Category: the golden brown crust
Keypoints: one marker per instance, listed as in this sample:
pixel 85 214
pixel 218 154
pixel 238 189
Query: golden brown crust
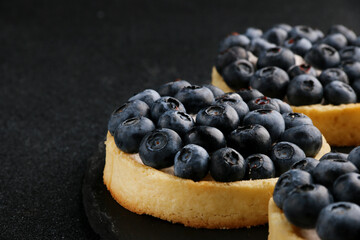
pixel 339 124
pixel 205 204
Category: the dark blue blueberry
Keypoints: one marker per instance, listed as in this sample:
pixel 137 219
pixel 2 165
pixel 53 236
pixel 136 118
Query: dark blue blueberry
pixel 250 139
pixel 238 74
pixel 259 45
pixel 305 32
pixel 304 89
pixel 283 106
pixel 304 204
pixel 307 164
pixel 259 166
pixel 354 157
pixel 287 182
pixel 163 105
pixel 217 92
pixel 249 93
pixel 336 40
pixel 270 81
pixel 209 138
pixel 128 110
pixel 277 56
pixel 253 33
pixel 191 162
pixel 347 188
pixel 180 122
pixel 195 98
pixel 234 39
pixel 149 96
pixel 296 119
pixel 350 53
pixel 333 74
pixel 158 148
pixel 222 117
pixel 284 155
pixel 230 95
pixel 334 155
pixel 352 70
pixel 284 26
pixel 275 35
pixel 270 119
pixel 227 165
pixel 337 93
pixel 129 133
pixel 339 221
pixel 298 45
pixel 327 171
pixel 229 56
pixel 356 86
pixel 322 56
pixel 263 103
pixel 301 69
pixel 357 42
pixel 348 33
pixel 171 88
pixel 239 105
pixel 307 137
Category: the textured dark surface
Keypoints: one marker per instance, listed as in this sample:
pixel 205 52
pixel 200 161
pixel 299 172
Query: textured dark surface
pixel 65 65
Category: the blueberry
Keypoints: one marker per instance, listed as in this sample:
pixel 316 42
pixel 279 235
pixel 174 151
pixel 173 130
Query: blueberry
pixel 307 137
pixel 239 105
pixel 356 86
pixel 336 40
pixel 180 122
pixel 270 119
pixel 283 106
pixel 296 119
pixel 195 98
pixel 284 26
pixel 250 139
pixel 249 93
pixel 339 221
pixel 259 45
pixel 217 92
pixel 347 188
pixel 128 110
pixel 287 182
pixel 129 133
pixel 322 56
pixel 301 69
pixel 298 45
pixel 337 93
pixel 348 33
pixel 334 155
pixel 229 56
pixel 284 155
pixel 158 148
pixel 277 56
pixel 307 164
pixel 333 74
pixel 304 204
pixel 163 105
pixel 149 96
pixel 259 166
pixel 327 171
pixel 171 88
pixel 304 32
pixel 304 90
pixel 263 103
pixel 234 39
pixel 271 81
pixel 227 165
pixel 223 117
pixel 350 53
pixel 275 35
pixel 352 70
pixel 252 33
pixel 354 157
pixel 238 74
pixel 230 95
pixel 207 137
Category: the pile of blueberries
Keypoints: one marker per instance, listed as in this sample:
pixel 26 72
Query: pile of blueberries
pixel 324 195
pixel 330 73
pixel 201 129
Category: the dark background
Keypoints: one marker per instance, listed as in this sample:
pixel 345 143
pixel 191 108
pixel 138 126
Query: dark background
pixel 65 65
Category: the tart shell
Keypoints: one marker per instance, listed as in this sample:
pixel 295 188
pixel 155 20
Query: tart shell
pixel 204 204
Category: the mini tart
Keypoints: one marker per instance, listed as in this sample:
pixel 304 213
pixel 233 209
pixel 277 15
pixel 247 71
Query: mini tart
pixel 204 204
pixel 339 124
